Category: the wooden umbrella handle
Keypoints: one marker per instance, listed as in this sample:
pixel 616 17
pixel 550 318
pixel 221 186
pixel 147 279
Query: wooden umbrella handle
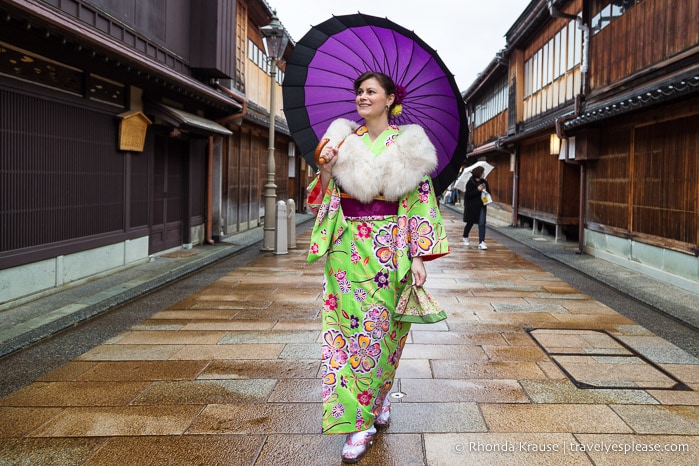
pixel 321 145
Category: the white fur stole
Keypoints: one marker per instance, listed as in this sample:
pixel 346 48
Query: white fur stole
pixel 392 174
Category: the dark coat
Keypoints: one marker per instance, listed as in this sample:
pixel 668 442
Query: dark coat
pixel 472 200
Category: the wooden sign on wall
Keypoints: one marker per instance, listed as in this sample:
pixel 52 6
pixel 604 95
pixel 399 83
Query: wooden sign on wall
pixel 132 130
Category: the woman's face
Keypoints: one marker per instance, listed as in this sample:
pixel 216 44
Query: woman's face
pixel 371 99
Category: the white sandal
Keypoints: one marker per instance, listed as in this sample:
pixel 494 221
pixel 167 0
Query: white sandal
pixel 357 445
pixel 383 419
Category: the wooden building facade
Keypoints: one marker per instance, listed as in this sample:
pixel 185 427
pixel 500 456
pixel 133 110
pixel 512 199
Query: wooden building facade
pixel 603 127
pixel 127 129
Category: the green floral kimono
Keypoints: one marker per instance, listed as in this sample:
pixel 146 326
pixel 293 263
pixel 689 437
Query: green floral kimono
pixel 368 264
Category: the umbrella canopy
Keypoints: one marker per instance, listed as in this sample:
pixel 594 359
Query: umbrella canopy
pixel 320 74
pixel 461 181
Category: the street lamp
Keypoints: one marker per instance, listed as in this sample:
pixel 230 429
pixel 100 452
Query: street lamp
pixel 275 43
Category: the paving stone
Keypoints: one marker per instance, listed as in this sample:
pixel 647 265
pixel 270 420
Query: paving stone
pixel 458 338
pixel 688 373
pixel 632 450
pixel 47 451
pixel 515 353
pixel 500 449
pixel 199 314
pixel 119 421
pixel 68 371
pixel 468 353
pixel 184 450
pixel 414 369
pixel 660 419
pixel 206 392
pixel 559 391
pixel 130 353
pixel 273 336
pixel 297 391
pixel 142 370
pixel 571 418
pixel 230 325
pixel 231 305
pixel 435 417
pixel 244 351
pixel 282 312
pixel 261 369
pixel 169 337
pixel 522 370
pixel 301 351
pixel 459 390
pixel 388 450
pixel 17 422
pixel 258 418
pixel 676 397
pixel 75 394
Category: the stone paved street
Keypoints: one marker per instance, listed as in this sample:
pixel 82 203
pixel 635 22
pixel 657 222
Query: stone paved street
pixel 230 376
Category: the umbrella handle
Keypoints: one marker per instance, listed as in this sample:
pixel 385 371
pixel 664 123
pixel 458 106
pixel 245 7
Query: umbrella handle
pixel 321 145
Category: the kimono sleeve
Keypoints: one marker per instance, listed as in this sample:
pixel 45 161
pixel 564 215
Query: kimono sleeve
pixel 427 235
pixel 329 224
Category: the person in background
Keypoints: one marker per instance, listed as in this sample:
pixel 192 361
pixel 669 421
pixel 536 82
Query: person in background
pixel 377 220
pixel 474 209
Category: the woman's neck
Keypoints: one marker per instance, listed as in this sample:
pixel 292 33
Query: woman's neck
pixel 376 126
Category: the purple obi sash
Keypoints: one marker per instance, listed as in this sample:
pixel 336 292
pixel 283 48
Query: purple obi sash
pixel 353 208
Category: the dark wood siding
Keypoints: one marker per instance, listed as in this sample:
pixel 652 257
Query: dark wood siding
pixel 646 182
pixel 549 189
pixel 649 33
pixel 61 175
pixel 500 179
pixel 490 130
pixel 665 180
pixel 608 181
pixel 213 44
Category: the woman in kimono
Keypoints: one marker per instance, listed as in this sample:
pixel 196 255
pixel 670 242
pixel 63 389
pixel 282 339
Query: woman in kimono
pixel 378 221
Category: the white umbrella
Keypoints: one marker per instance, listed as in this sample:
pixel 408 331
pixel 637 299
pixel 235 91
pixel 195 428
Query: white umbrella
pixel 461 181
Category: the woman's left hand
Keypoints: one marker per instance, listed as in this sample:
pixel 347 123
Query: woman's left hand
pixel 419 272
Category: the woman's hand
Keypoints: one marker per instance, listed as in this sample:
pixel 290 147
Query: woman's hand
pixel 419 272
pixel 329 154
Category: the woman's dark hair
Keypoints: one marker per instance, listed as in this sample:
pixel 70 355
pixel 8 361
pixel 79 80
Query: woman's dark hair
pixel 477 172
pixel 384 80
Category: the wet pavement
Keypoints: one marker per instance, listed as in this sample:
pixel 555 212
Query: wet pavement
pixel 528 369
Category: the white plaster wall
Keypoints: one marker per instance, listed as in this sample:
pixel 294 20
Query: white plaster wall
pixel 673 267
pixel 27 282
pixel 27 279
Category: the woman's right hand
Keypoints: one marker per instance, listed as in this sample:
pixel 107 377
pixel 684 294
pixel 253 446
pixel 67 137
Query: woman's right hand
pixel 329 154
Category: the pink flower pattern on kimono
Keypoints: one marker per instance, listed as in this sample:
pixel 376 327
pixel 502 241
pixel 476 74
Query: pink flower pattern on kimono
pixel 331 302
pixel 364 231
pixel 388 241
pixel 329 381
pixel 421 236
pixel 360 420
pixel 334 350
pixel 394 358
pixel 363 352
pixel 354 257
pixel 365 397
pixel 338 411
pixel 360 294
pixel 377 321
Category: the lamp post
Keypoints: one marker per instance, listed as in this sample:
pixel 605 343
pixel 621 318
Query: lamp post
pixel 275 42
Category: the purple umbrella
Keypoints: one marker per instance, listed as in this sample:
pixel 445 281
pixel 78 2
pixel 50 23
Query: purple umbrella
pixel 319 78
